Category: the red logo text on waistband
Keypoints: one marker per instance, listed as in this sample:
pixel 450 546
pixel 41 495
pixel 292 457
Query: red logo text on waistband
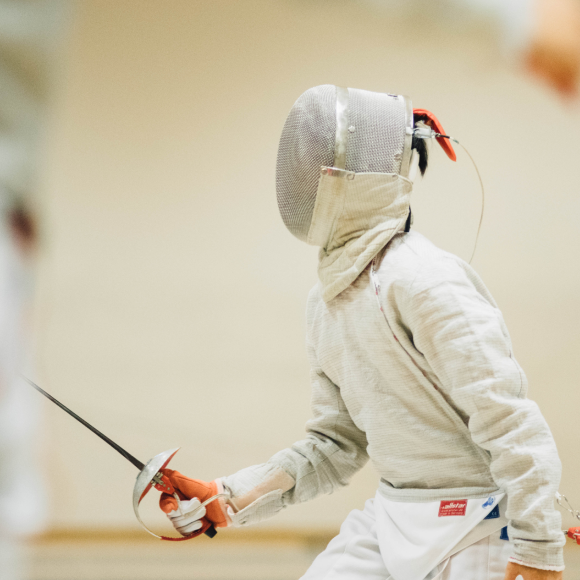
pixel 454 507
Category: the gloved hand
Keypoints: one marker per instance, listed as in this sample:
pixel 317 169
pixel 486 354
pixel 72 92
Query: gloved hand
pixel 186 516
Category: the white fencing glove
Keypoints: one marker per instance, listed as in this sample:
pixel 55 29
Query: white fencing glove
pixel 186 519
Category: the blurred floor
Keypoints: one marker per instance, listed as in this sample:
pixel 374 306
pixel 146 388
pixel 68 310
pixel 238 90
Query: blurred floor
pixel 283 557
pixel 144 559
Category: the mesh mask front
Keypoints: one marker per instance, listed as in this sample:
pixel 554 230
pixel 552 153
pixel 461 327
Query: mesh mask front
pixel 376 143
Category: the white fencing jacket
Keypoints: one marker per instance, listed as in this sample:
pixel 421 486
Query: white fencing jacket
pixel 412 367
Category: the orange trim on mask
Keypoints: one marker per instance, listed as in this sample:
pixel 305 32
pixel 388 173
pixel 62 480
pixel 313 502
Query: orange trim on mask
pixel 434 123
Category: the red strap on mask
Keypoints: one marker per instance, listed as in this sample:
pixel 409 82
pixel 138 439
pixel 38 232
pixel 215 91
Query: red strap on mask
pixel 434 123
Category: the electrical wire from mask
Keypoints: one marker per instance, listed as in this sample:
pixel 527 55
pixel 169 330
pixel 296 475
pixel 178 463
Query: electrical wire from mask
pixel 434 135
pixel 482 193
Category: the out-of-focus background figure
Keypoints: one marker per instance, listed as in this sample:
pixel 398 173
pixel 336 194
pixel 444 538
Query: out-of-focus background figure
pixel 27 43
pixel 541 37
pixel 553 53
pixel 163 270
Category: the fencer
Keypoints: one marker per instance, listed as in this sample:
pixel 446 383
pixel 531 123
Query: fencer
pixel 412 367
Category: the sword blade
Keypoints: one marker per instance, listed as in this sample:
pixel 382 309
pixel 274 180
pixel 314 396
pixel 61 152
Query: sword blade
pixel 138 464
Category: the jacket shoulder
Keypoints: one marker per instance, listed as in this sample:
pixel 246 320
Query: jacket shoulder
pixel 411 264
pixel 411 257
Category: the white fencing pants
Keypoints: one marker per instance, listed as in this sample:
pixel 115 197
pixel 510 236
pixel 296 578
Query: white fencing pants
pixel 354 555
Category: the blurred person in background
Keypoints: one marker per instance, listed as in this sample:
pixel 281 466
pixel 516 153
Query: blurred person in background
pixel 553 54
pixel 27 35
pixel 545 37
pixel 541 37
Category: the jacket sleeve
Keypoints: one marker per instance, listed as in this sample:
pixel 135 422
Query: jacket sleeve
pixel 458 329
pixel 333 450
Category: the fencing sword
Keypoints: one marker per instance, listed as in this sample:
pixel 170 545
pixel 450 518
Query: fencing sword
pixel 150 474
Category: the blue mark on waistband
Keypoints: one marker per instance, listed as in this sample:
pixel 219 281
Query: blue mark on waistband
pixel 504 534
pixel 489 501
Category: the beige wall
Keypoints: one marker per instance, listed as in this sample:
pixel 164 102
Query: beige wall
pixel 172 298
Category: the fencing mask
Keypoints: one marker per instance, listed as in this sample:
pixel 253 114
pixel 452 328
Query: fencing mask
pixel 348 129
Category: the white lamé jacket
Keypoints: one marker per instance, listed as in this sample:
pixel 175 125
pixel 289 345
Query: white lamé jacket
pixel 412 367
